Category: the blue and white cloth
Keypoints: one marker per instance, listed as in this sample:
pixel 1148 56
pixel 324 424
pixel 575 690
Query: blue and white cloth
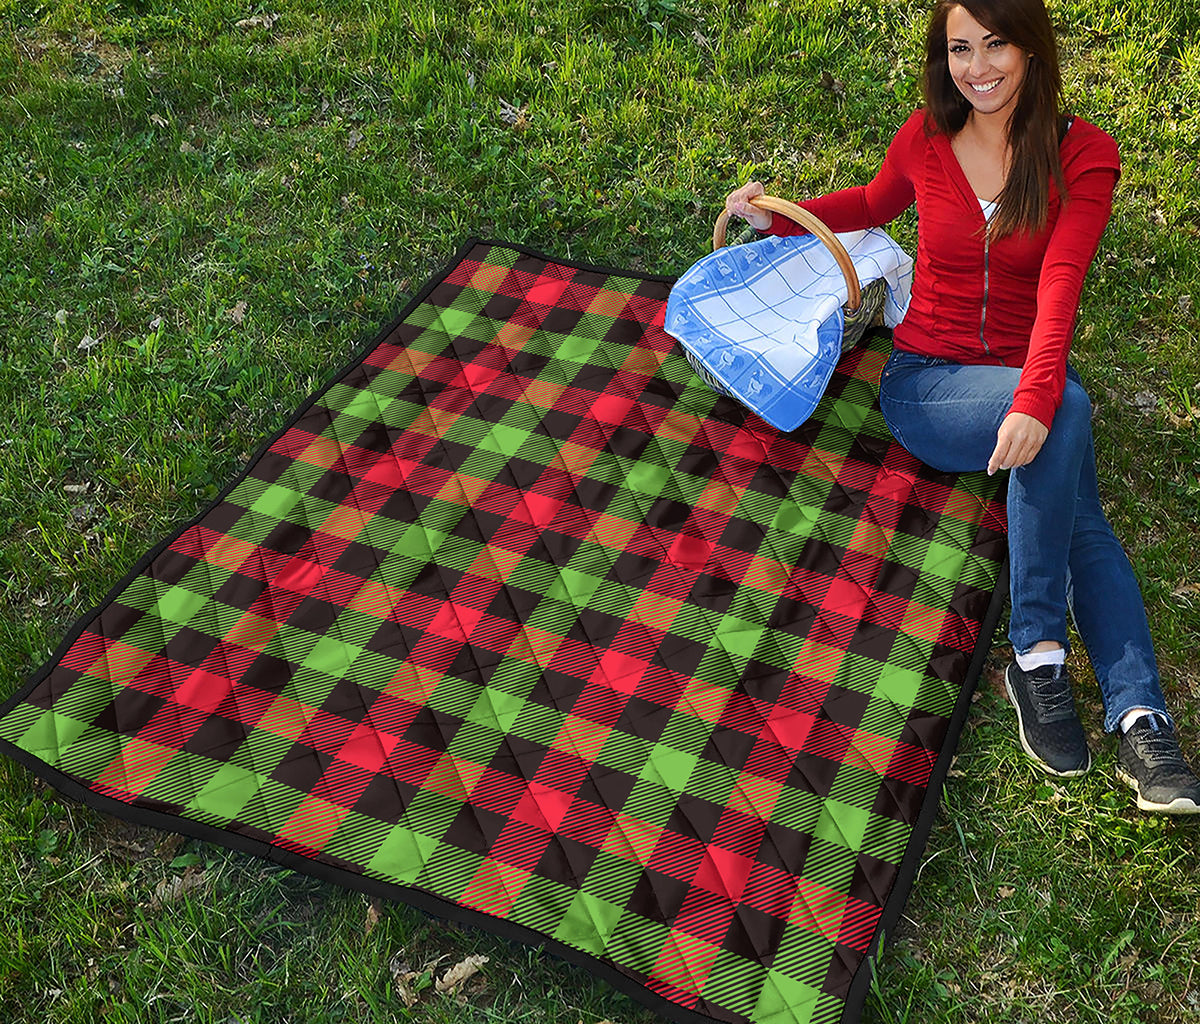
pixel 765 319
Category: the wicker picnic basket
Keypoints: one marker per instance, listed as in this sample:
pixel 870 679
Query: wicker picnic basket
pixel 863 304
pixel 766 325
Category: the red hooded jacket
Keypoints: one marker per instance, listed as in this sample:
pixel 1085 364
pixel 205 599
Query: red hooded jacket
pixel 1010 301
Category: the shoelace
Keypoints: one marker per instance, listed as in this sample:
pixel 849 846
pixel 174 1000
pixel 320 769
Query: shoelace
pixel 1053 695
pixel 1158 748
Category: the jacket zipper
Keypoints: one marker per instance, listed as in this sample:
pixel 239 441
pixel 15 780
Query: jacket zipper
pixel 983 309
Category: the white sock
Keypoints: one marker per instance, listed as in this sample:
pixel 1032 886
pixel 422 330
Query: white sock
pixel 1036 659
pixel 1130 717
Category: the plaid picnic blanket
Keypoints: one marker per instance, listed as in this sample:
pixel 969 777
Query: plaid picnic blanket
pixel 518 621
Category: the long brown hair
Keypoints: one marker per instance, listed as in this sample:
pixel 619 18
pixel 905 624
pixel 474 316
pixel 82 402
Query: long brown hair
pixel 1037 123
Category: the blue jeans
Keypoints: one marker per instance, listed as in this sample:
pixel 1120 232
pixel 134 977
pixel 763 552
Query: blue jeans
pixel 1062 551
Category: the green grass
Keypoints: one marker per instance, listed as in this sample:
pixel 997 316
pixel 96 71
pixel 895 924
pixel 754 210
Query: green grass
pixel 160 167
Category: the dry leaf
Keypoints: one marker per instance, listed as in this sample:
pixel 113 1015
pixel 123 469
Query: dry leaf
pixel 374 911
pixel 158 120
pixel 354 139
pixel 169 846
pixel 87 341
pixel 170 889
pixel 257 21
pixel 832 84
pixel 75 488
pixel 1005 891
pixel 60 317
pixel 405 990
pixel 404 978
pixel 186 147
pixel 514 116
pixel 238 313
pixel 460 972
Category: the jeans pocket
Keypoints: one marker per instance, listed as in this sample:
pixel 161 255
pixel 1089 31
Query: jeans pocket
pixel 889 366
pixel 900 362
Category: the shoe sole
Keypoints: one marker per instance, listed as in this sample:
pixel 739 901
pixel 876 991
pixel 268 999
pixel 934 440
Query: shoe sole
pixel 1072 773
pixel 1180 805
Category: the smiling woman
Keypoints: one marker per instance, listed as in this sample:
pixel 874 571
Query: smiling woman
pixel 997 90
pixel 979 60
pixel 1012 198
pixel 989 71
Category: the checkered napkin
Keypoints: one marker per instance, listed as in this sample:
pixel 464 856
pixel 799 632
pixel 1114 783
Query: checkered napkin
pixel 519 622
pixel 765 319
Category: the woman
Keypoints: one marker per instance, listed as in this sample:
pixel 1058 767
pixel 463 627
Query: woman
pixel 1012 198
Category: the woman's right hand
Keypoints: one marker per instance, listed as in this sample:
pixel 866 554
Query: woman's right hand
pixel 737 204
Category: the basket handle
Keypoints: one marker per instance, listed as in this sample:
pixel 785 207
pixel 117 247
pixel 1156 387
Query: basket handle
pixel 807 220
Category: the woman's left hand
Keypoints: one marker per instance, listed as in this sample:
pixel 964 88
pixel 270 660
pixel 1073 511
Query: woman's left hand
pixel 1018 441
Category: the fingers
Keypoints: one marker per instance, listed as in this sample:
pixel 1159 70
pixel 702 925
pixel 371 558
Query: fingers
pixel 999 457
pixel 737 204
pixel 1018 455
pixel 1018 441
pixel 1009 454
pixel 747 191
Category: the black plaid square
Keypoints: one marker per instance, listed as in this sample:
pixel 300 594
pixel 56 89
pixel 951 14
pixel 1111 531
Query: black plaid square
pixel 301 767
pixel 643 719
pixel 566 861
pixel 433 729
pixel 518 757
pixel 217 738
pixel 128 712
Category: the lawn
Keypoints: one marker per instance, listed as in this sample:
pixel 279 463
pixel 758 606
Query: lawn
pixel 205 207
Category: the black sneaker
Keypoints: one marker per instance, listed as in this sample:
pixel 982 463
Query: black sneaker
pixel 1051 732
pixel 1149 760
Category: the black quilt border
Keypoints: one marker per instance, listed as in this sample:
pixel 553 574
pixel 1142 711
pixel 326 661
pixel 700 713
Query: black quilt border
pixel 435 905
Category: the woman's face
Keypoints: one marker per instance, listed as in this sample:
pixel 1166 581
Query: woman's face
pixel 987 69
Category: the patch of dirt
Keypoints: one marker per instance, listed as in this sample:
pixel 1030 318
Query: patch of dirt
pixel 122 840
pixel 85 55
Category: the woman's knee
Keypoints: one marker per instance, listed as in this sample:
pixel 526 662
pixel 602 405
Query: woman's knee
pixel 1076 401
pixel 1073 420
pixel 1070 434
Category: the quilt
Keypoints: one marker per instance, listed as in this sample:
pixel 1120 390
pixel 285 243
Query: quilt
pixel 519 622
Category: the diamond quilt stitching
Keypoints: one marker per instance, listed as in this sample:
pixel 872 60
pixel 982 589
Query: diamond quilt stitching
pixel 520 614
